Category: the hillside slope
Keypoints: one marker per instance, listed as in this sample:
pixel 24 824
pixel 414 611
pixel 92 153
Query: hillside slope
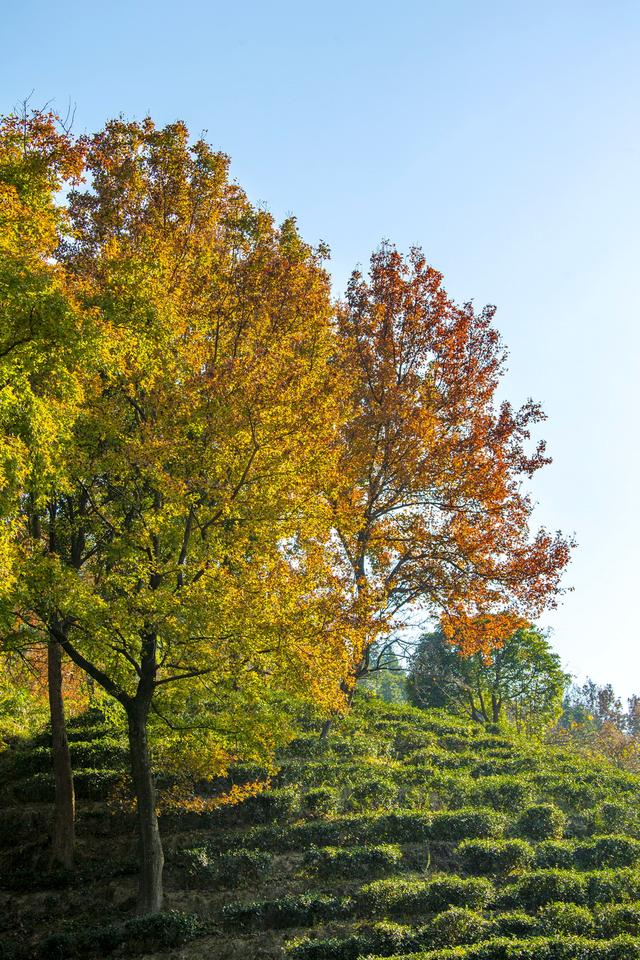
pixel 407 833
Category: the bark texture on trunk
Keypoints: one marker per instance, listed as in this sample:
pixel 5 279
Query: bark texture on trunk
pixel 150 894
pixel 65 807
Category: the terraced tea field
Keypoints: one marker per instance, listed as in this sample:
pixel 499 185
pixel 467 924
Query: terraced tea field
pixel 405 834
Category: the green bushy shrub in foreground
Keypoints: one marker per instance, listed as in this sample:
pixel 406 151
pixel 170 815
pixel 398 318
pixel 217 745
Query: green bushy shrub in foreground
pixel 565 918
pixel 503 792
pixel 384 937
pixel 456 925
pixel 607 851
pixel 288 911
pixel 543 821
pixel 447 826
pixel 539 948
pixel 319 801
pixel 138 935
pixel 495 856
pixel 373 794
pixel 417 896
pixel 618 918
pixel 353 861
pixel 550 854
pixel 535 889
pixel 202 865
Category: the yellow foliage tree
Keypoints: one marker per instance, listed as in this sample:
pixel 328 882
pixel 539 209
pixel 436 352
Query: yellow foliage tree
pixel 187 566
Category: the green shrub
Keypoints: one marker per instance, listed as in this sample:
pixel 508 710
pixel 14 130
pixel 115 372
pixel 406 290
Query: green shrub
pixel 420 758
pixel 27 762
pixel 279 804
pixel 607 851
pixel 247 772
pixel 354 861
pixel 138 935
pixel 385 937
pixel 513 923
pixel 613 817
pixel 613 886
pixel 569 792
pixel 99 752
pixel 413 896
pixel 408 739
pixel 320 801
pixel 401 827
pixel 202 864
pixel 197 863
pixel 540 948
pixel 372 794
pixel 495 856
pixel 455 926
pixel 83 734
pixel 288 911
pixel 540 887
pixel 543 821
pixel 89 785
pixel 470 823
pixel 566 918
pixel 234 868
pixel 503 792
pixel 617 918
pixel 555 854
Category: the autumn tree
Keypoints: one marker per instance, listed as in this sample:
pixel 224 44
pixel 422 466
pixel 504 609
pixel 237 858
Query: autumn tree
pixel 520 682
pixel 188 572
pixel 432 516
pixel 40 390
pixel 595 722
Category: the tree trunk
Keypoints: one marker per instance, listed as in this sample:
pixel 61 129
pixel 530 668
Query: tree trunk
pixel 150 894
pixel 64 829
pixel 495 708
pixel 327 725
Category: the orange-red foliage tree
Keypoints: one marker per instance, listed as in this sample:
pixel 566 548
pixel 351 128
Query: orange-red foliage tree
pixel 432 516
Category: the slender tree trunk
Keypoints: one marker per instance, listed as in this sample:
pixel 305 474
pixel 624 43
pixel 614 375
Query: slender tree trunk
pixel 495 708
pixel 349 693
pixel 64 821
pixel 150 895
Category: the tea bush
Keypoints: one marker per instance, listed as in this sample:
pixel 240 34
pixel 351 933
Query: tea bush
pixel 495 856
pixel 320 801
pixel 566 918
pixel 543 821
pixel 354 861
pixel 417 896
pixel 288 911
pixel 540 887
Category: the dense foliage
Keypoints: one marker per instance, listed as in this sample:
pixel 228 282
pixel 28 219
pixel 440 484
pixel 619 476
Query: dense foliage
pixel 484 845
pixel 521 682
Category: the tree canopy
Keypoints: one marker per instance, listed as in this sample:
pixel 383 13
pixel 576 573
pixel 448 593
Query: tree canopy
pixel 219 488
pixel 520 682
pixel 432 515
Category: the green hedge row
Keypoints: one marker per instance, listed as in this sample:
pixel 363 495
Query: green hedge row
pixel 353 861
pixel 535 889
pixel 463 927
pixel 450 826
pixel 288 911
pixel 98 752
pixel 138 935
pixel 432 895
pixel 203 865
pixel 89 785
pixel 540 948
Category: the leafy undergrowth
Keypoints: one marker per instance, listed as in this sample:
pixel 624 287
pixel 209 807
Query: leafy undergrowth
pixel 405 834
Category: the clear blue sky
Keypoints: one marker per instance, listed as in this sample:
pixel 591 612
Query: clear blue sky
pixel 504 137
